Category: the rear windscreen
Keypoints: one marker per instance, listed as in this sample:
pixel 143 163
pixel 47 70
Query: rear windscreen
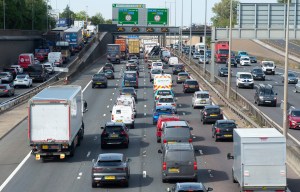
pixel 166 100
pixel 130 76
pixel 180 156
pixel 203 96
pixel 178 132
pixel 192 82
pixel 113 129
pixel 166 92
pixel 213 110
pixel 227 125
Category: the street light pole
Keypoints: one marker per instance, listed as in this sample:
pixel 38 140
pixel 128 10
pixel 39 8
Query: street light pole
pixel 285 88
pixel 32 15
pixel 204 64
pixel 181 27
pixel 47 15
pixel 229 55
pixel 190 53
pixel 4 14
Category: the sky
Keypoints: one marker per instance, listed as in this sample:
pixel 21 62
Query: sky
pixel 105 8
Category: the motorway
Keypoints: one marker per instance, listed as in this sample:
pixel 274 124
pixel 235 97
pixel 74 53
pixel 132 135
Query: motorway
pixel 276 113
pixel 74 174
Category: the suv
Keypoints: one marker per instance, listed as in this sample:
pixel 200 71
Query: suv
pixel 114 134
pixel 244 79
pixel 179 162
pixel 223 129
pixel 37 72
pixel 108 66
pixel 264 95
pixel 99 79
pixel 160 122
pixel 268 67
pixel 130 79
pixel 211 113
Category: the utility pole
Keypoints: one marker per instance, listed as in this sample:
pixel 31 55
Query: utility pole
pixel 190 53
pixel 4 14
pixel 204 64
pixel 229 54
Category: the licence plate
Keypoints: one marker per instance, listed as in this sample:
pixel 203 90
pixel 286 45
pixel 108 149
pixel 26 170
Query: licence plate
pixel 227 135
pixel 213 115
pixel 203 101
pixel 192 86
pixel 114 135
pixel 98 83
pixel 127 84
pixel 109 177
pixel 45 147
pixel 120 121
pixel 171 142
pixel 173 170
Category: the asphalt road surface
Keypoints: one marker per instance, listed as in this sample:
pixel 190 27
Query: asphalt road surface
pixel 74 174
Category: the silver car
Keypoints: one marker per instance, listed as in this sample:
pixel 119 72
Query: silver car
pixel 6 77
pixel 6 90
pixel 167 101
pixel 292 78
pixel 201 99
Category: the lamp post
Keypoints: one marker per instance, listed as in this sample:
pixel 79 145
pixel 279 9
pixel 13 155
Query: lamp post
pixel 285 88
pixel 32 15
pixel 4 14
pixel 170 16
pixel 204 65
pixel 181 27
pixel 190 53
pixel 229 54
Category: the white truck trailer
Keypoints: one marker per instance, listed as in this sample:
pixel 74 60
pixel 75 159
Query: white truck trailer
pixel 259 160
pixel 55 121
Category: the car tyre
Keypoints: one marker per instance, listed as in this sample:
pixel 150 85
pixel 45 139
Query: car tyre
pixel 93 86
pixel 94 185
pixel 158 140
pixel 132 126
pixel 233 179
pixel 164 180
pixel 126 184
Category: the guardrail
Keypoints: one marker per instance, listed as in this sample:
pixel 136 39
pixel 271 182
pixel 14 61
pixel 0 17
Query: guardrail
pixel 247 111
pixel 27 95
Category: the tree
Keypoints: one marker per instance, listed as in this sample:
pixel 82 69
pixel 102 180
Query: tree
pixel 67 13
pixel 283 1
pixel 81 16
pixel 222 13
pixel 97 19
pixel 108 21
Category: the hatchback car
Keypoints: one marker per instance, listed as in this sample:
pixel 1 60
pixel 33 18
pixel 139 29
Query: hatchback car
pixel 178 68
pixel 114 134
pixel 179 162
pixel 111 168
pixel 108 66
pixel 6 90
pixel 233 62
pixel 245 60
pixel 223 129
pixel 253 59
pixel 292 78
pixel 6 77
pixel 161 110
pixel 129 91
pixel 109 74
pixel 258 74
pixel 154 72
pixel 294 118
pixel 167 101
pixel 99 79
pixel 190 85
pixel 161 120
pixel 223 72
pixel 22 80
pixel 201 59
pixel 201 99
pixel 189 187
pixel 211 113
pixel 182 76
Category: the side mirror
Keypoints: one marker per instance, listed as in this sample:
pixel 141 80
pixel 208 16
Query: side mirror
pixel 102 127
pixel 229 156
pixel 159 151
pixel 191 128
pixel 110 111
pixel 209 189
pixel 275 67
pixel 128 160
pixel 275 93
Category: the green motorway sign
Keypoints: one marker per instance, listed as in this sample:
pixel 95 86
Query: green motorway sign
pixel 157 16
pixel 128 16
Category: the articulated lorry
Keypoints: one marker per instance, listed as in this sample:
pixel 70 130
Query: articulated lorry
pixel 55 121
pixel 259 160
pixel 123 47
pixel 222 51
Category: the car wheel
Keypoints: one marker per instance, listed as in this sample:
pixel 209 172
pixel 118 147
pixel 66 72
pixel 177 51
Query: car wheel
pixel 126 146
pixel 94 185
pixel 93 86
pixel 164 180
pixel 103 146
pixel 233 179
pixel 216 139
pixel 195 179
pixel 126 184
pixel 295 90
pixel 132 126
pixel 203 122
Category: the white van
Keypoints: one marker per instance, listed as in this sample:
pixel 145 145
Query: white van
pixel 244 79
pixel 123 114
pixel 268 67
pixel 55 58
pixel 127 100
pixel 173 61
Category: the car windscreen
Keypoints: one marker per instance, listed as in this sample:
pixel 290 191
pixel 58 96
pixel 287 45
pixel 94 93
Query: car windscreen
pixel 164 92
pixel 109 163
pixel 180 155
pixel 257 71
pixel 203 96
pixel 267 92
pixel 192 82
pixel 179 67
pixel 224 69
pixel 227 125
pixel 245 59
pixel 291 75
pixel 245 76
pixel 156 71
pixel 223 51
pixel 166 100
pixel 183 74
pixel 3 74
pixel 20 76
pixel 157 64
pixel 178 132
pixel 130 76
pixel 268 64
pixel 128 90
pixel 295 113
pixel 99 76
pixel 113 129
pixel 213 110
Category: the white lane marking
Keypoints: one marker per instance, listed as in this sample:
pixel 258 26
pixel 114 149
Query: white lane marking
pixel 183 113
pixel 113 93
pixel 145 105
pixel 88 154
pixel 95 138
pixel 117 79
pixel 111 99
pixel 80 174
pixel 144 174
pixel 144 153
pixel 144 93
pixel 145 114
pixel 200 151
pixel 78 177
pixel 90 81
pixel 14 172
pixel 93 160
pixel 104 115
pixel 107 106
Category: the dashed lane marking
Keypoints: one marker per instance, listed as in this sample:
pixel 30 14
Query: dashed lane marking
pixel 88 154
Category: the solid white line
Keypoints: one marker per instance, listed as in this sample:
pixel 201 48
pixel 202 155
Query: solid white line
pixel 14 172
pixel 90 81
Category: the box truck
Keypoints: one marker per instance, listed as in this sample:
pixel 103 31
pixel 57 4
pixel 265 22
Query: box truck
pixel 259 159
pixel 55 121
pixel 74 37
pixel 123 47
pixel 114 53
pixel 134 47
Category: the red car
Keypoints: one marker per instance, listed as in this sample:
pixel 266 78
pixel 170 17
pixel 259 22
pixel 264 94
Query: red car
pixel 160 121
pixel 294 118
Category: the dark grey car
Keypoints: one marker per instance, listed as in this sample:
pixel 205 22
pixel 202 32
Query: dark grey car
pixel 188 187
pixel 258 74
pixel 99 79
pixel 292 78
pixel 179 162
pixel 6 90
pixel 111 168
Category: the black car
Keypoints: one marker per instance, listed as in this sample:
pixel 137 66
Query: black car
pixel 111 168
pixel 114 134
pixel 178 68
pixel 258 74
pixel 109 74
pixel 190 85
pixel 189 187
pixel 223 129
pixel 37 72
pixel 109 66
pixel 99 79
pixel 233 62
pixel 129 91
pixel 264 95
pixel 253 59
pixel 211 113
pixel 223 72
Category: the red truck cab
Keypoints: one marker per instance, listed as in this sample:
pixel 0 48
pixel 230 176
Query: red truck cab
pixel 222 51
pixel 25 59
pixel 160 121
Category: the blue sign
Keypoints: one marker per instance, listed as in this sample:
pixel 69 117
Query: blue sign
pixel 132 37
pixel 71 37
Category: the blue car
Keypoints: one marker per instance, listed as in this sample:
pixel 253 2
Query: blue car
pixel 161 110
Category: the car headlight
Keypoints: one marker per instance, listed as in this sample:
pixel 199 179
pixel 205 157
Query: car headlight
pixel 261 97
pixel 294 122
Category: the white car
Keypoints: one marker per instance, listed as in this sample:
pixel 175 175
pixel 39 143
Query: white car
pixel 201 99
pixel 157 65
pixel 49 66
pixel 245 60
pixel 268 67
pixel 23 80
pixel 18 67
pixel 167 101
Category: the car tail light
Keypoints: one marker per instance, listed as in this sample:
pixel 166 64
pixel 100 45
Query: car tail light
pixel 97 169
pixel 280 190
pixel 205 113
pixel 123 133
pixel 132 116
pixel 173 104
pixel 197 86
pixel 164 166
pixel 195 165
pixel 190 140
pixel 5 90
pixel 112 117
pixel 165 141
pixel 218 130
pixel 158 104
pixel 186 86
pixel 248 191
pixel 122 169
